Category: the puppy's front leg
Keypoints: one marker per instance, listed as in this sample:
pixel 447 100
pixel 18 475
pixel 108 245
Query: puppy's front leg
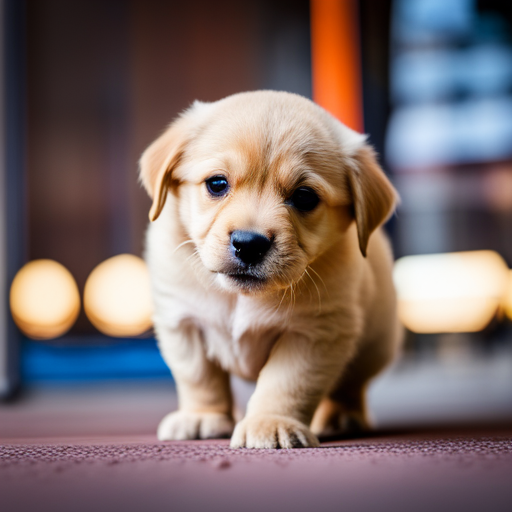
pixel 204 394
pixel 290 386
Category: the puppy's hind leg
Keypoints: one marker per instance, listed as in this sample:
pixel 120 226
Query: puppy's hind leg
pixel 342 412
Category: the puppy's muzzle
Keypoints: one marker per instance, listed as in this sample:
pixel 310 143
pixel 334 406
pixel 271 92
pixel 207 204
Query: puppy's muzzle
pixel 249 247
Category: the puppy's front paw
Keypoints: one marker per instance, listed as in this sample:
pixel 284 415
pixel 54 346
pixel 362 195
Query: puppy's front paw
pixel 182 425
pixel 272 431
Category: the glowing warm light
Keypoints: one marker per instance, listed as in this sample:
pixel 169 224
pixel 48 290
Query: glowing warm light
pixel 117 296
pixel 454 292
pixel 44 299
pixel 507 303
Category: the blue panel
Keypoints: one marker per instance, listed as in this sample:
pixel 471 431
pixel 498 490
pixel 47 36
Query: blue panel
pixel 121 359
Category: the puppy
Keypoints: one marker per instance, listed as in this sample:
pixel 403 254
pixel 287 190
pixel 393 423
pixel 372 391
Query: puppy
pixel 267 262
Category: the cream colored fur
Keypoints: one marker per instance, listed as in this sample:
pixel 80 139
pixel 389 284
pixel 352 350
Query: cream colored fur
pixel 323 323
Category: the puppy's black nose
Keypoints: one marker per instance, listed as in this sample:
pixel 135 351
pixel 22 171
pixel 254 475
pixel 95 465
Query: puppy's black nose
pixel 249 247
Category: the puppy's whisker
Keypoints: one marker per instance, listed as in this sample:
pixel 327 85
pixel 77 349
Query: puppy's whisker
pixel 195 261
pixel 193 255
pixel 281 301
pixel 291 306
pixel 317 291
pixel 301 279
pixel 305 284
pixel 281 276
pixel 182 244
pixel 319 277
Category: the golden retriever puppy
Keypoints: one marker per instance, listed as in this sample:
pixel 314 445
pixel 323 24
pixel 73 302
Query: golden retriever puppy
pixel 267 262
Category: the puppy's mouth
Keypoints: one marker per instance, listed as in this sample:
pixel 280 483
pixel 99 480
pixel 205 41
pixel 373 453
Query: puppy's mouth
pixel 243 280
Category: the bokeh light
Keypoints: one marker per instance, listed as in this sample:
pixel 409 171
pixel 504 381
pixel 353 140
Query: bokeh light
pixel 453 292
pixel 507 303
pixel 44 299
pixel 117 297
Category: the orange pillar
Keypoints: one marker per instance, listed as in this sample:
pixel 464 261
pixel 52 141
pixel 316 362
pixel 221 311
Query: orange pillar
pixel 335 55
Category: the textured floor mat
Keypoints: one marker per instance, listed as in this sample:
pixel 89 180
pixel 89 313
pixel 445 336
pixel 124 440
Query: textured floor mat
pixel 466 472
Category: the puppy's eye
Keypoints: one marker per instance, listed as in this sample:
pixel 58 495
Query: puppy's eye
pixel 217 185
pixel 304 199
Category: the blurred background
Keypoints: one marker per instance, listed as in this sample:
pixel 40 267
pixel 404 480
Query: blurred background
pixel 86 85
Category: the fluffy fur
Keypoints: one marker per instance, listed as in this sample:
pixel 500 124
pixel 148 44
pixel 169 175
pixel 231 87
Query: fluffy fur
pixel 320 319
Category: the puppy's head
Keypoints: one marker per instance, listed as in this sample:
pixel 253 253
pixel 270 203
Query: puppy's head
pixel 265 183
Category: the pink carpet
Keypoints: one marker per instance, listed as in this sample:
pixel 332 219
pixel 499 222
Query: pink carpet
pixel 436 471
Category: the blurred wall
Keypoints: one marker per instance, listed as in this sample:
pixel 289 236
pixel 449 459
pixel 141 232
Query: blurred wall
pixel 449 138
pixel 106 77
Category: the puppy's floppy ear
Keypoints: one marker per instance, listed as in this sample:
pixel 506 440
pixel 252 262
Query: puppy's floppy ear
pixel 374 198
pixel 163 155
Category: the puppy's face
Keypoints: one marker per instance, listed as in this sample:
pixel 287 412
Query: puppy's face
pixel 259 209
pixel 263 182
